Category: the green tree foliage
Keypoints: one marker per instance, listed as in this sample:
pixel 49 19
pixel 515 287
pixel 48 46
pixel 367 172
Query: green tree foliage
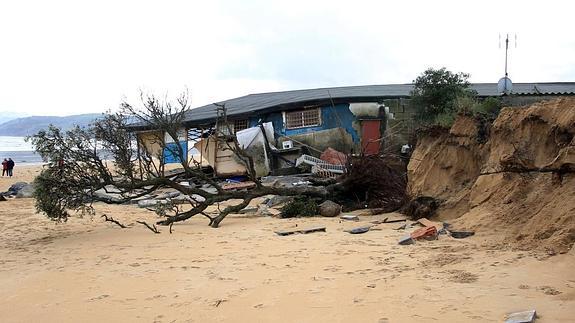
pixel 75 169
pixel 435 93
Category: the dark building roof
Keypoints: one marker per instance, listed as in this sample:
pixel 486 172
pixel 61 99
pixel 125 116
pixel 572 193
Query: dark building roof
pixel 273 101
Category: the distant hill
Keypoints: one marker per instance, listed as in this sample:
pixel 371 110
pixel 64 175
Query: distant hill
pixel 30 125
pixel 7 115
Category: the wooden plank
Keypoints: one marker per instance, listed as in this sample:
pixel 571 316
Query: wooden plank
pixel 312 229
pixel 303 231
pixel 285 232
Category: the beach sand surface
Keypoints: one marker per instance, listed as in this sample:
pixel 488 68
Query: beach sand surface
pixel 88 270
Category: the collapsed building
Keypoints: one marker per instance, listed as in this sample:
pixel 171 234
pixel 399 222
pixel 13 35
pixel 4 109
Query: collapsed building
pixel 281 130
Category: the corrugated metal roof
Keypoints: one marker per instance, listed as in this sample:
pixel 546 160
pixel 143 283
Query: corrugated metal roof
pixel 261 102
pixel 556 88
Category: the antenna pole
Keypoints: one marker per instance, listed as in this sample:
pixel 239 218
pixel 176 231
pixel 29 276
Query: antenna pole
pixel 506 48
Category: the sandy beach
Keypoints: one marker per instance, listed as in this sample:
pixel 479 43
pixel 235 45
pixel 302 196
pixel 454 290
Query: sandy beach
pixel 88 270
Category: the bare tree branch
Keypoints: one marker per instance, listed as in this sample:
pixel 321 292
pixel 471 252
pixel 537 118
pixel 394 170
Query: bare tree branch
pixel 111 219
pixel 152 227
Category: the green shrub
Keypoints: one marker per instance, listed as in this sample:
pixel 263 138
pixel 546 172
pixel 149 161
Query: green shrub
pixel 488 107
pixel 445 119
pixel 465 104
pixel 300 206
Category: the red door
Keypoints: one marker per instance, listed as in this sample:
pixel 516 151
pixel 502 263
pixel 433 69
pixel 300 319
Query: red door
pixel 370 136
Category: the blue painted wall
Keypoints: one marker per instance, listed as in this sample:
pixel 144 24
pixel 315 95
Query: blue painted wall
pixel 331 117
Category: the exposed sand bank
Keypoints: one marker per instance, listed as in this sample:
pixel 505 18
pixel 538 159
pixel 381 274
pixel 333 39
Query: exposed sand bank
pixel 87 270
pixel 515 177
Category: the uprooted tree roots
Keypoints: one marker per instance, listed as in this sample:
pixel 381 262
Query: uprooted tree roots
pixel 374 182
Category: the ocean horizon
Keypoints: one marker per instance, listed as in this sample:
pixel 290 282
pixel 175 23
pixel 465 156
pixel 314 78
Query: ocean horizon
pixel 21 152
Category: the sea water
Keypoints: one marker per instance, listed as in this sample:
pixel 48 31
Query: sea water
pixel 21 152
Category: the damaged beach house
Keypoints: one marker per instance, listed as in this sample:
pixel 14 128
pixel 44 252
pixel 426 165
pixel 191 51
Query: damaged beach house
pixel 284 131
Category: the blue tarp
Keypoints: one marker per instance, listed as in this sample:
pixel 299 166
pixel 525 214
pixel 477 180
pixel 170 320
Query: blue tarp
pixel 171 152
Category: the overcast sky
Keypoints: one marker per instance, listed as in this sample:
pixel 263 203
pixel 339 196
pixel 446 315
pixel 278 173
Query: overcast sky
pixel 69 57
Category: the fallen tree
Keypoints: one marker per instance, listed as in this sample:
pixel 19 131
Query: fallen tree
pixel 85 164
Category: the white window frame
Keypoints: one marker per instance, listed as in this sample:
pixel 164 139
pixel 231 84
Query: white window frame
pixel 319 121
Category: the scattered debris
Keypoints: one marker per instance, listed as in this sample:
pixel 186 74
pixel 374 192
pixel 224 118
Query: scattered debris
pixel 461 234
pixel 360 212
pixel 266 211
pixel 20 190
pixel 285 180
pixel 405 240
pixel 521 317
pixel 359 230
pixel 186 199
pixel 113 197
pixel 168 195
pixel 313 229
pixel 17 186
pixel 386 220
pixel 322 165
pixel 427 223
pixel 401 227
pixel 249 209
pixel 238 186
pixel 332 156
pixel 428 233
pixel 421 207
pixel 27 191
pixel 278 199
pixel 286 232
pixel 136 200
pixel 304 231
pixel 150 203
pixel 329 209
pixel 349 217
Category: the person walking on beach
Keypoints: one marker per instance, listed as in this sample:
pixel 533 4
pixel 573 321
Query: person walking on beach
pixel 10 166
pixel 5 167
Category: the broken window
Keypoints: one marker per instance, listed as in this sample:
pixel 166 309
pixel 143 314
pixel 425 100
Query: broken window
pixel 240 124
pixel 303 118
